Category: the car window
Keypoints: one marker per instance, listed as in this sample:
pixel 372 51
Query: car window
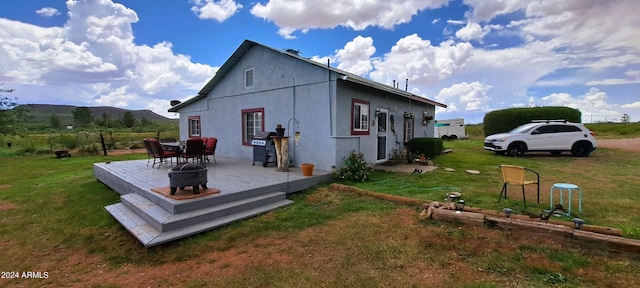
pixel 568 128
pixel 544 130
pixel 522 129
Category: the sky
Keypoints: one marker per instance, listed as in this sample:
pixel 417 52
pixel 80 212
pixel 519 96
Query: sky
pixel 475 56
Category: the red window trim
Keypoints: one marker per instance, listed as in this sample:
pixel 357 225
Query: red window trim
pixel 189 128
pixel 244 126
pixel 353 102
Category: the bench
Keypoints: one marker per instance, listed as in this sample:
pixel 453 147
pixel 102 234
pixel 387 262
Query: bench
pixel 62 153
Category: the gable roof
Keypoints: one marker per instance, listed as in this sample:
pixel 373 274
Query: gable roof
pixel 346 76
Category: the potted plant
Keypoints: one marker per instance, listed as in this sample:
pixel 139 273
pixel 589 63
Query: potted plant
pixel 279 130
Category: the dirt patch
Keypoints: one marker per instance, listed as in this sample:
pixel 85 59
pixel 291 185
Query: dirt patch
pixel 629 144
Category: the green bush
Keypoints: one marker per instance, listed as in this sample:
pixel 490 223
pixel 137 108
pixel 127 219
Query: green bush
pixel 430 147
pixel 355 169
pixel 500 121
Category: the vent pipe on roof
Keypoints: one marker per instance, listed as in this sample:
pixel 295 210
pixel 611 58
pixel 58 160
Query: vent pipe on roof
pixel 394 83
pixel 406 85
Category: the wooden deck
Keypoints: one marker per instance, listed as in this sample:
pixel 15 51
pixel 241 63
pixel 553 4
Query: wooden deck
pixel 245 191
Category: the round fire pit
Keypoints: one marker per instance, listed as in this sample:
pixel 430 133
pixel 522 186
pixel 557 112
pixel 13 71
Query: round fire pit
pixel 188 175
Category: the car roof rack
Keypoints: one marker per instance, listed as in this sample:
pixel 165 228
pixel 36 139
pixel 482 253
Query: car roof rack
pixel 549 121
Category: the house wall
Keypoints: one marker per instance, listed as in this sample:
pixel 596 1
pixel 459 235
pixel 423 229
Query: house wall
pixel 367 144
pixel 288 89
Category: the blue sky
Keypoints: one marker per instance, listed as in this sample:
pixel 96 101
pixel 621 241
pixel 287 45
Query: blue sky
pixel 473 55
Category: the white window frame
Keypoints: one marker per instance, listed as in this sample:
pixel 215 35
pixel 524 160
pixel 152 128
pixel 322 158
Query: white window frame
pixel 257 124
pixel 408 125
pixel 360 117
pixel 194 126
pixel 249 81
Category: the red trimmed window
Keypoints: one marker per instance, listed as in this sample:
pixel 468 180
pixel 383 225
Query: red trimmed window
pixel 408 129
pixel 252 124
pixel 194 126
pixel 359 117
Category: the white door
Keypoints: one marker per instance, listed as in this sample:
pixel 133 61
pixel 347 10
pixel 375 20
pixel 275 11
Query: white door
pixel 382 121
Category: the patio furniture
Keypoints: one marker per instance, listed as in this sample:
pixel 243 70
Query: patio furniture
pixel 210 148
pixel 147 145
pixel 569 188
pixel 515 175
pixel 160 154
pixel 194 150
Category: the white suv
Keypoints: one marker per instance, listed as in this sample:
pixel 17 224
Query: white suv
pixel 553 136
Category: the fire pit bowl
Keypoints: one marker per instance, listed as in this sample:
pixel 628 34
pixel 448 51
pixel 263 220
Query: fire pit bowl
pixel 188 175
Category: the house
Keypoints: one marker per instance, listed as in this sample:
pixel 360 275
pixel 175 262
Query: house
pixel 336 112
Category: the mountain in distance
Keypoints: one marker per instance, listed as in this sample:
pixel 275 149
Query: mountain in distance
pixel 43 112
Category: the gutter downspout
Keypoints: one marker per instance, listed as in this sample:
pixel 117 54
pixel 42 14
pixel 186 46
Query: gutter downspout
pixel 330 103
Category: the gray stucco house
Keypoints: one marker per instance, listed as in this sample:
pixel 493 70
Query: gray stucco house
pixel 335 111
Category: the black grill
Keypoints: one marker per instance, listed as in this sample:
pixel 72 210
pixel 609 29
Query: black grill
pixel 264 150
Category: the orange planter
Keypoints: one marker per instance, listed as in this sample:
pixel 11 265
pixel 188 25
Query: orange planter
pixel 307 169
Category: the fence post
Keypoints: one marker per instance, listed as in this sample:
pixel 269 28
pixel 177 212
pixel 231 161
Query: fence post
pixel 104 147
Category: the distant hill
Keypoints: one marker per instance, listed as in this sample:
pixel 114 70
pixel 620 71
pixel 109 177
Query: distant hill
pixel 41 113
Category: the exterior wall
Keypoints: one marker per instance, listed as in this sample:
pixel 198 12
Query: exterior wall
pixel 367 144
pixel 288 90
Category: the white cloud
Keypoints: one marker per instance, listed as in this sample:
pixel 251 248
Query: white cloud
pixel 631 105
pixel 472 31
pixel 355 56
pixel 324 14
pixel 219 11
pixel 483 10
pixel 92 60
pixel 48 12
pixel 472 96
pixel 416 59
pixel 594 105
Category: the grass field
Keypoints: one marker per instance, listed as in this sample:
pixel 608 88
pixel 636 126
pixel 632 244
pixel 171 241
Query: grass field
pixel 53 220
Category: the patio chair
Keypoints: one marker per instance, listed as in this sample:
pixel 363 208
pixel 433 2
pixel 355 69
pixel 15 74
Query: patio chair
pixel 194 150
pixel 515 175
pixel 160 154
pixel 210 148
pixel 147 145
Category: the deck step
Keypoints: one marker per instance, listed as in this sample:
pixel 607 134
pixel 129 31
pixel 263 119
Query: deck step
pixel 149 236
pixel 164 221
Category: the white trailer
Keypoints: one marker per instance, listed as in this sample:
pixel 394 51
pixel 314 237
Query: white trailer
pixel 450 129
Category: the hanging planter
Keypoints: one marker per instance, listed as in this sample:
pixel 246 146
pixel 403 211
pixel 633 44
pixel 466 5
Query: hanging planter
pixel 279 130
pixel 409 115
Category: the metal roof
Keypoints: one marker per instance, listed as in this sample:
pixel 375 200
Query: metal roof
pixel 248 44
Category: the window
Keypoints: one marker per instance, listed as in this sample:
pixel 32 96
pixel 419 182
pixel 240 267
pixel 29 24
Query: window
pixel 408 129
pixel 249 78
pixel 252 124
pixel 359 117
pixel 194 126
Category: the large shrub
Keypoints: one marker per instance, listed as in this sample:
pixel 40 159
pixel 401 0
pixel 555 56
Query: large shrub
pixel 430 147
pixel 500 121
pixel 355 169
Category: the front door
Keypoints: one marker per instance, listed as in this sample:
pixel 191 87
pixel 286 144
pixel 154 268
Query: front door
pixel 382 119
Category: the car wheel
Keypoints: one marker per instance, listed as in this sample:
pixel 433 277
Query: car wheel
pixel 581 149
pixel 515 149
pixel 444 137
pixel 453 137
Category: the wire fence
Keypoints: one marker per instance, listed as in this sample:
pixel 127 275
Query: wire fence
pixel 83 142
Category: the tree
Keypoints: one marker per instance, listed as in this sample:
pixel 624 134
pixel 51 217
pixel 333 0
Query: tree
pixel 55 121
pixel 8 115
pixel 625 118
pixel 128 119
pixel 82 116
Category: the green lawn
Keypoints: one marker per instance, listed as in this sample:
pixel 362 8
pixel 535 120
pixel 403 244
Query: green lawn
pixel 53 219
